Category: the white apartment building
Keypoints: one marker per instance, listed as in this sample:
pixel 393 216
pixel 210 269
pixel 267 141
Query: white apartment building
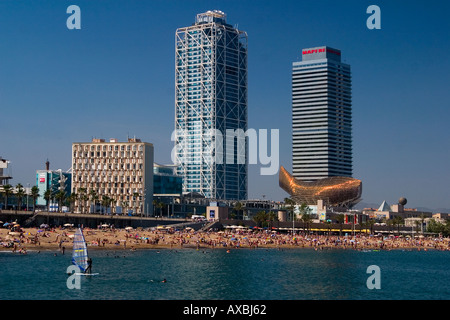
pixel 120 171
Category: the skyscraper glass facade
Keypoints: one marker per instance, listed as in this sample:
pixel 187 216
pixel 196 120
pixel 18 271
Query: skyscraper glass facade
pixel 321 115
pixel 210 98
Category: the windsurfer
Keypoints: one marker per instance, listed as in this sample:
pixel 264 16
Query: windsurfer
pixel 89 266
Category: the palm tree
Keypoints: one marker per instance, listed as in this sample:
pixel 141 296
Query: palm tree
pixel 290 203
pixel 34 196
pixel 105 203
pixel 135 195
pixel 272 217
pixel 328 223
pixel 82 198
pixel 305 213
pixel 20 193
pixel 155 204
pixel 238 207
pixel 72 198
pixel 47 197
pixel 61 197
pixel 371 223
pixel 260 218
pixel 397 220
pixel 111 206
pixel 340 219
pixel 94 197
pixel 422 219
pixel 125 207
pixel 417 225
pixel 160 206
pixel 7 191
pixel 389 223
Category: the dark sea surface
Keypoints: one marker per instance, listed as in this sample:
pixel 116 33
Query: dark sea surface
pixel 242 274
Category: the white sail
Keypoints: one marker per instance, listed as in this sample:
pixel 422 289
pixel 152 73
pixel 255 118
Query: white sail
pixel 80 254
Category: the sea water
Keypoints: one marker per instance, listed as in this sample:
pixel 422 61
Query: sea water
pixel 241 274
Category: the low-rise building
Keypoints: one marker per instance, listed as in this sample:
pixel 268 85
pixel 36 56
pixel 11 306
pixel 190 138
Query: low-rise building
pixel 120 173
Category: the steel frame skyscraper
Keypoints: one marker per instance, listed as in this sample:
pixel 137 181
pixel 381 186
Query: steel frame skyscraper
pixel 210 98
pixel 321 115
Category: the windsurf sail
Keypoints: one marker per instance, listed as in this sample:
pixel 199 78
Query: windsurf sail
pixel 80 254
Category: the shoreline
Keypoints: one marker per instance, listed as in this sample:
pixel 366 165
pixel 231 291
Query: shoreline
pixel 60 239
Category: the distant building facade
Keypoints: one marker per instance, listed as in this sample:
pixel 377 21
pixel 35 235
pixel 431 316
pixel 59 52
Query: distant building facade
pixel 210 97
pixel 121 171
pixel 4 177
pixel 54 180
pixel 321 115
pixel 165 181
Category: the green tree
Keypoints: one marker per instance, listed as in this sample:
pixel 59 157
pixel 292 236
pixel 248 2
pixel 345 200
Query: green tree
pixel 438 227
pixel 261 218
pixel 329 224
pixel 422 220
pixel 237 209
pixel 93 196
pixel 20 193
pixel 34 196
pixel 289 205
pixel 72 198
pixel 305 215
pixel 135 202
pixel 397 221
pixel 160 206
pixel 60 197
pixel 105 203
pixel 272 216
pixel 47 197
pixel 340 219
pixel 125 207
pixel 370 224
pixel 82 197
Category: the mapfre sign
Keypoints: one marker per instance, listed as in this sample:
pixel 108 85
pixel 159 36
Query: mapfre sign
pixel 320 50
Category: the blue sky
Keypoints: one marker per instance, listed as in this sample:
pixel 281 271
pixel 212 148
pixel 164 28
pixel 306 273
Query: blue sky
pixel 115 77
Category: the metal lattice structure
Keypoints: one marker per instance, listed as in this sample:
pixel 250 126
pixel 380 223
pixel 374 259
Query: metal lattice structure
pixel 210 97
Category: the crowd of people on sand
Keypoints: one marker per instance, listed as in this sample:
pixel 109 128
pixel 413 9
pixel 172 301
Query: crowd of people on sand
pixel 14 237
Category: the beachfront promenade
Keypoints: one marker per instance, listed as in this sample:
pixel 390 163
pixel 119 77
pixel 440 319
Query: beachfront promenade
pixel 91 220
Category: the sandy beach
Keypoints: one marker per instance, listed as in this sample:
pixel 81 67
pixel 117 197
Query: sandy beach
pixel 21 240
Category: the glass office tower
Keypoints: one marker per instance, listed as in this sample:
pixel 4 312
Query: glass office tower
pixel 321 115
pixel 210 98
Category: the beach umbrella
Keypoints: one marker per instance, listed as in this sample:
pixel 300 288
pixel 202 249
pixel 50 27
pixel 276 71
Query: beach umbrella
pixel 6 224
pixel 129 228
